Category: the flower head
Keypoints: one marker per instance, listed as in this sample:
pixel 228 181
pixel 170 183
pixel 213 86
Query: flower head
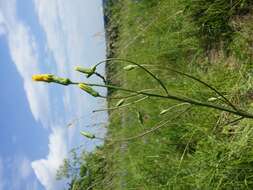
pixel 51 78
pixel 43 77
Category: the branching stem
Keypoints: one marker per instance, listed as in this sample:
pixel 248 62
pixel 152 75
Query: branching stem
pixel 140 66
pixel 181 99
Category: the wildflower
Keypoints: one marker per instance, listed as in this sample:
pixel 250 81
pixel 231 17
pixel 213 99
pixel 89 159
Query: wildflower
pixel 129 67
pixel 88 135
pixel 87 71
pixel 88 89
pixel 51 78
pixel 120 102
pixel 43 77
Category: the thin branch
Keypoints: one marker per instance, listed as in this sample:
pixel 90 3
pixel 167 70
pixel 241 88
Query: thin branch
pixel 178 98
pixel 204 83
pixel 123 106
pixel 142 67
pixel 130 96
pixel 233 121
pixel 159 126
pixel 101 76
pixel 181 99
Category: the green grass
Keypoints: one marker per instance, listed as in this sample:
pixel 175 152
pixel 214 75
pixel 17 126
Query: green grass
pixel 196 150
pixel 212 18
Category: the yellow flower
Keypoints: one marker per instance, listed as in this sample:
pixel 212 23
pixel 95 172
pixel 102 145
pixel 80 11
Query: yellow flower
pixel 43 77
pixel 51 78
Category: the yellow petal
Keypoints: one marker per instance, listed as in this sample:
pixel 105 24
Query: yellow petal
pixel 43 77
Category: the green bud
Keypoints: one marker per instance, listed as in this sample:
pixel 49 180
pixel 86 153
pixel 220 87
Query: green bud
pixel 87 71
pixel 168 109
pixel 88 135
pixel 164 111
pixel 129 67
pixel 120 102
pixel 63 81
pixel 212 99
pixel 88 89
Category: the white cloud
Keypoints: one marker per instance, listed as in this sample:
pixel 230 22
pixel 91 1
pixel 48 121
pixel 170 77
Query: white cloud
pixel 16 173
pixel 2 26
pixel 23 50
pixel 25 169
pixel 45 169
pixel 25 58
pixel 69 28
pixel 24 54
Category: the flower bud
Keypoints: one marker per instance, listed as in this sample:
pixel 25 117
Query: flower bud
pixel 129 67
pixel 87 71
pixel 120 102
pixel 43 77
pixel 88 135
pixel 51 78
pixel 63 81
pixel 164 111
pixel 88 89
pixel 212 99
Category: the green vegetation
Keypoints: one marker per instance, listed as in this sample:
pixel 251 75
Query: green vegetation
pixel 213 19
pixel 192 147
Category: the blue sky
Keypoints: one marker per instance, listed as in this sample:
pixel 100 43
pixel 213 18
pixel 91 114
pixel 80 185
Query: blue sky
pixel 45 36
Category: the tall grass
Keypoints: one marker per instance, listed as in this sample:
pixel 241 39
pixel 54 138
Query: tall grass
pixel 213 19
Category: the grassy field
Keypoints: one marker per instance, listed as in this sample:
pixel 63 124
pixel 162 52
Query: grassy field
pixel 196 148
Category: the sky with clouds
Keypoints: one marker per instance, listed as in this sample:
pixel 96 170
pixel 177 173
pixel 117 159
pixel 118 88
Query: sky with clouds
pixel 46 36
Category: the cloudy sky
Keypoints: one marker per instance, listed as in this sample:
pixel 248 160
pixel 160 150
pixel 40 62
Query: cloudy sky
pixel 45 36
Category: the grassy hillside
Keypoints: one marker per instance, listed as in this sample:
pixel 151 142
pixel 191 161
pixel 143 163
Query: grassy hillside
pixel 196 147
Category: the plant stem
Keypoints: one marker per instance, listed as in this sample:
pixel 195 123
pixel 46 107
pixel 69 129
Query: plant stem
pixel 123 106
pixel 101 76
pixel 204 83
pixel 189 76
pixel 181 99
pixel 142 67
